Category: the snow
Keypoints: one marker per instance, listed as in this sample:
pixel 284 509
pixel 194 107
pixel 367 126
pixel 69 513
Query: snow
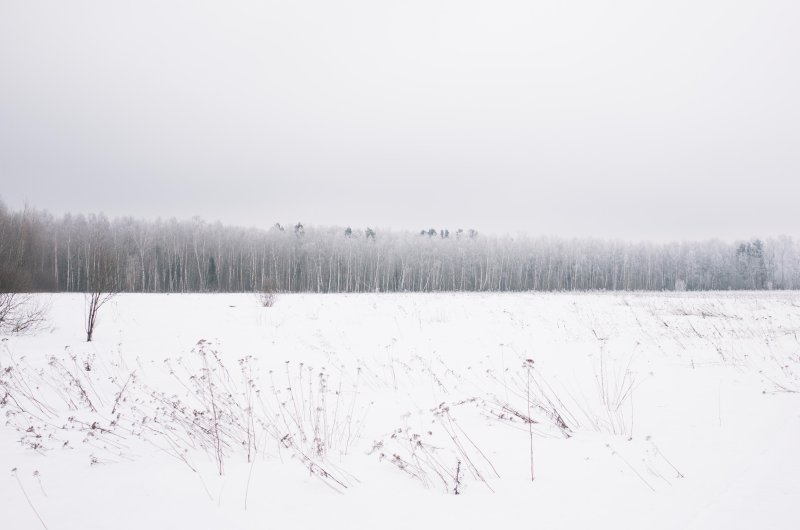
pixel 677 410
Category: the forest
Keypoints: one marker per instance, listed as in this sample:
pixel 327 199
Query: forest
pixel 80 253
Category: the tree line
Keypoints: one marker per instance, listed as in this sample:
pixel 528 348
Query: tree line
pixel 88 253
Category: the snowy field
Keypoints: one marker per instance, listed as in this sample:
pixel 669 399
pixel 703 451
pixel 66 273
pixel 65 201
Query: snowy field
pixel 635 410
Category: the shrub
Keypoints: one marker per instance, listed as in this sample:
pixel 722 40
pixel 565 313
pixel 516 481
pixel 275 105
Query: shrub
pixel 268 293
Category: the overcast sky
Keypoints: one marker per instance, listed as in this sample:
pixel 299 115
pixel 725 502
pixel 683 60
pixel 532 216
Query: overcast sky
pixel 632 119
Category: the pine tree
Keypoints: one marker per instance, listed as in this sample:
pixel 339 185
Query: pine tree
pixel 211 275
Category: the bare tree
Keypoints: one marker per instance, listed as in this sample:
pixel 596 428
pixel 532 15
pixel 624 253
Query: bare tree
pixel 101 281
pixel 19 312
pixel 94 301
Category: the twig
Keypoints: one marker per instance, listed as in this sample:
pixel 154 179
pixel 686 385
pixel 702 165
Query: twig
pixel 14 472
pixel 116 401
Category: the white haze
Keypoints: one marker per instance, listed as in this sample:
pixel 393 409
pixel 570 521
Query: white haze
pixel 642 120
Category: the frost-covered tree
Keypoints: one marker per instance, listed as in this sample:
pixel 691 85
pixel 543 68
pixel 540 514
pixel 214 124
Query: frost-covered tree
pixel 39 252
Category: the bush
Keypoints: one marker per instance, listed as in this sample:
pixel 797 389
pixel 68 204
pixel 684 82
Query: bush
pixel 268 293
pixel 19 312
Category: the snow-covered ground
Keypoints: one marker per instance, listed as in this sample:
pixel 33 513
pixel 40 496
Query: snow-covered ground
pixel 634 410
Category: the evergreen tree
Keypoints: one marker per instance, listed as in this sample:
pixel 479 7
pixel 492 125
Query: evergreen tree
pixel 211 275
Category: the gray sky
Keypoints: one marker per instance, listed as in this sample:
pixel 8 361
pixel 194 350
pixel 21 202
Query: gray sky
pixel 633 119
